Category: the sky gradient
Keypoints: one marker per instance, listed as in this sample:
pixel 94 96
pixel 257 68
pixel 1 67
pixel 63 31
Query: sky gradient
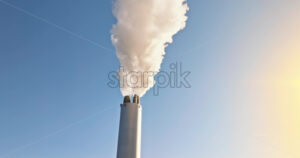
pixel 244 100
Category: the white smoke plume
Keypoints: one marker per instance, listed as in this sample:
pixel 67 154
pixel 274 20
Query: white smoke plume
pixel 144 29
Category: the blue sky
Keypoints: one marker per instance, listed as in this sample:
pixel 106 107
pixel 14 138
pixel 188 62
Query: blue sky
pixel 55 57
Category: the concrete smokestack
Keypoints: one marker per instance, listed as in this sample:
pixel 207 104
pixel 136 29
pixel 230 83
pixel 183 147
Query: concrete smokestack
pixel 129 144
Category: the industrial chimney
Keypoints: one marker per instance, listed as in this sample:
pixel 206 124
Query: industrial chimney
pixel 129 144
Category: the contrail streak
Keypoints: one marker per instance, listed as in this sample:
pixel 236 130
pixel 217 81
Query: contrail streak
pixel 55 25
pixel 21 148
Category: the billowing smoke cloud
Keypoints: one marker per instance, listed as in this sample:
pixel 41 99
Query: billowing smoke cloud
pixel 143 30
